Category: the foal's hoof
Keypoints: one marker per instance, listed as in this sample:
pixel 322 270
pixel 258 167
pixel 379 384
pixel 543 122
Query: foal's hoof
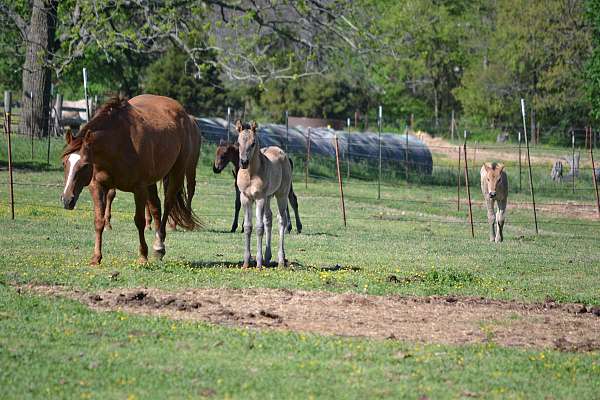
pixel 107 226
pixel 143 260
pixel 283 264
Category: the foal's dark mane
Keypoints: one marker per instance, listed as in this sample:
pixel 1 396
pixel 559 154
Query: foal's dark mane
pixel 110 109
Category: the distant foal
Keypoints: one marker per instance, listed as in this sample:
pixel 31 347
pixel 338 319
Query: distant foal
pixel 494 186
pixel 263 173
pixel 227 152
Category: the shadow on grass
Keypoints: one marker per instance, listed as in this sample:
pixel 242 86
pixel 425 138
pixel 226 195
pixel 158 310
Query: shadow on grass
pixel 36 166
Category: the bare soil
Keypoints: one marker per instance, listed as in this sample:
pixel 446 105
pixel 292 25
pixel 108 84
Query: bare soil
pixel 436 319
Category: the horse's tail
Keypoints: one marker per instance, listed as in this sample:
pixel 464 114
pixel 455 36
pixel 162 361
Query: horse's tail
pixel 181 213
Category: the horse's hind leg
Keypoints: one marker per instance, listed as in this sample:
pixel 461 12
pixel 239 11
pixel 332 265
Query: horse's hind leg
pixel 268 221
pixel 294 202
pixel 153 207
pixel 500 220
pixel 282 218
pixel 491 218
pixel 141 197
pixel 110 196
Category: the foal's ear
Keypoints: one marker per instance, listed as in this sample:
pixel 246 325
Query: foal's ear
pixel 69 136
pixel 487 166
pixel 239 126
pixel 253 126
pixel 500 167
pixel 89 137
pixel 236 145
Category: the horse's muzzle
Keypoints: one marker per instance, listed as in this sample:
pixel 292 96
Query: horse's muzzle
pixel 68 202
pixel 216 169
pixel 244 164
pixel 492 195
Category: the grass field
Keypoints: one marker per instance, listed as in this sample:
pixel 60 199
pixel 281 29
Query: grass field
pixel 52 347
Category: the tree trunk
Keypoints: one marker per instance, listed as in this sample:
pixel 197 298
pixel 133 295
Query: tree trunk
pixel 36 70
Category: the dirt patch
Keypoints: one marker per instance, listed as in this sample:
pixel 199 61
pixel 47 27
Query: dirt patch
pixel 436 319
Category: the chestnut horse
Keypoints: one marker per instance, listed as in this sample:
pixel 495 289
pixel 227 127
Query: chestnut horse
pixel 228 152
pixel 129 146
pixel 190 178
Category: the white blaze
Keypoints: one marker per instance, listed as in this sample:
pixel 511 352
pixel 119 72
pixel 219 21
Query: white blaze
pixel 73 159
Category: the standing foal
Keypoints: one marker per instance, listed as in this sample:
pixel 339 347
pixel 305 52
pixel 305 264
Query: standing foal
pixel 494 186
pixel 230 152
pixel 263 173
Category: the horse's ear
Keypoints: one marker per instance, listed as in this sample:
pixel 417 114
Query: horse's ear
pixel 236 144
pixel 253 126
pixel 69 136
pixel 500 167
pixel 89 137
pixel 487 166
pixel 239 126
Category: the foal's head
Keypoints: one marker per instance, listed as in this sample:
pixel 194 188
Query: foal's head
pixel 492 176
pixel 226 152
pixel 248 142
pixel 76 160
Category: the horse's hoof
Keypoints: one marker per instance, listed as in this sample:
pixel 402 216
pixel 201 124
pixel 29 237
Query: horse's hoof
pixel 108 226
pixel 159 254
pixel 95 261
pixel 245 265
pixel 148 227
pixel 283 264
pixel 142 260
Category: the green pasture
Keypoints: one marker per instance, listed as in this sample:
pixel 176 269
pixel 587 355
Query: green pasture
pixel 54 348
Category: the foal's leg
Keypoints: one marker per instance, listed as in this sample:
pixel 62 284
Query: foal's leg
pixel 268 220
pixel 260 230
pixel 282 218
pixel 500 220
pixel 110 196
pixel 491 218
pixel 247 228
pixel 236 214
pixel 294 202
pixel 98 193
pixel 141 197
pixel 153 207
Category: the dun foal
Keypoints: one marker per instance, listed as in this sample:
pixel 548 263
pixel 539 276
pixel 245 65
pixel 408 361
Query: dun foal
pixel 494 186
pixel 228 152
pixel 263 173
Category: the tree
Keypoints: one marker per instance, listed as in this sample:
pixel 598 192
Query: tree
pixel 174 75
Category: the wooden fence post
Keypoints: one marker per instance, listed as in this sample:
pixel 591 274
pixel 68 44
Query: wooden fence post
pixel 595 178
pixel 307 159
pixel 458 181
pixel 468 187
pixel 379 123
pixel 529 165
pixel 7 110
pixel 337 162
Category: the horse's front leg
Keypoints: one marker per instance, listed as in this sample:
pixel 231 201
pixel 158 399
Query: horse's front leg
pixel 282 218
pixel 247 204
pixel 236 214
pixel 110 196
pixel 260 231
pixel 500 220
pixel 98 193
pixel 491 218
pixel 141 197
pixel 268 222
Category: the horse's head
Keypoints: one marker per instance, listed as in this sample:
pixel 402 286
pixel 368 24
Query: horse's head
pixel 226 152
pixel 492 177
pixel 76 160
pixel 248 142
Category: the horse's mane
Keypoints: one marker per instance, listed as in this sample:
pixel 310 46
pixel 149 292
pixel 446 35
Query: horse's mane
pixel 109 109
pixel 73 146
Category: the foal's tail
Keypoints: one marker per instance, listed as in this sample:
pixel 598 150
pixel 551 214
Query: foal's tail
pixel 181 213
